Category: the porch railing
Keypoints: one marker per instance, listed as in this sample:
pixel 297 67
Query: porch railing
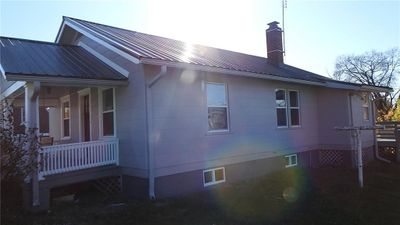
pixel 63 158
pixel 390 131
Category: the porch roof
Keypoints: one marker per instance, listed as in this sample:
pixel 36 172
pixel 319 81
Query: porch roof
pixel 24 60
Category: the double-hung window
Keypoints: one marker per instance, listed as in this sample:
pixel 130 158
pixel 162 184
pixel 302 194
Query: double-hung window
pixel 217 104
pixel 365 106
pixel 66 117
pixel 287 108
pixel 107 112
pixel 281 111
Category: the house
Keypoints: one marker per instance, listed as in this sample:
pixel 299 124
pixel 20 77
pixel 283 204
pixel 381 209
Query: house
pixel 170 118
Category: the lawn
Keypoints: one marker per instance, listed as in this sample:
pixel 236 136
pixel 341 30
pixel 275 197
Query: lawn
pixel 293 196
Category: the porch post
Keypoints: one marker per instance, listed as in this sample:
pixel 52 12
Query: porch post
pixel 32 121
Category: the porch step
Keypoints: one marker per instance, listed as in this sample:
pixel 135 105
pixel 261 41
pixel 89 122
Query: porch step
pixel 109 186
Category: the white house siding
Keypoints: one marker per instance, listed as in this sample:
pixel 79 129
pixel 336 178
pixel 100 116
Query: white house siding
pixel 358 119
pixel 180 123
pixel 333 111
pixel 130 112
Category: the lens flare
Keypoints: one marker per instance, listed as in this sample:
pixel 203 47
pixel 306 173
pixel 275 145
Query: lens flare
pixel 188 76
pixel 264 198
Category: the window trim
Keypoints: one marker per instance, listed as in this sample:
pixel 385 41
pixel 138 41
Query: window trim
pixel 365 105
pixel 219 106
pixel 291 164
pixel 290 108
pixel 63 100
pixel 82 93
pixel 214 182
pixel 280 107
pixel 101 112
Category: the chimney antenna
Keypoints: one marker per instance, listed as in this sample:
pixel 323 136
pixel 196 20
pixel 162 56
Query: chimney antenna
pixel 284 6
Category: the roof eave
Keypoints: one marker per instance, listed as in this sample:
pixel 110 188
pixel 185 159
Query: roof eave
pixel 101 39
pixel 66 81
pixel 206 68
pixel 60 30
pixel 376 88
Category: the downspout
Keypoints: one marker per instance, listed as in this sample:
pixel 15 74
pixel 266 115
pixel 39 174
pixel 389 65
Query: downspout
pixel 377 156
pixel 150 133
pixel 353 134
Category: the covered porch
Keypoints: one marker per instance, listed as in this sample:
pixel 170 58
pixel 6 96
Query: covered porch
pixel 75 125
pixel 68 96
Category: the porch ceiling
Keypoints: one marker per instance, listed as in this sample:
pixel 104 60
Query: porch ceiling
pixel 26 60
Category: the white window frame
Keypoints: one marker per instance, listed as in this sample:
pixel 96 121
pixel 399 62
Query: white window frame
pixel 365 106
pixel 290 108
pixel 219 106
pixel 291 163
pixel 63 100
pixel 281 107
pixel 214 182
pixel 101 112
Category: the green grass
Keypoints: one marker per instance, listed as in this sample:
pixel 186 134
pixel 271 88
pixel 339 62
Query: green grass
pixel 293 196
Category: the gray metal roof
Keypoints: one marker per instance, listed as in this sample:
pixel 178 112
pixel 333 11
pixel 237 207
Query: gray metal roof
pixel 145 46
pixel 44 59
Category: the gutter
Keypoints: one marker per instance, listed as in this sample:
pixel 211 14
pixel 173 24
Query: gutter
pixel 205 68
pixel 375 88
pixel 150 132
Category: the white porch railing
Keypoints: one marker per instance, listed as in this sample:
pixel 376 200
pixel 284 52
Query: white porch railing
pixel 63 158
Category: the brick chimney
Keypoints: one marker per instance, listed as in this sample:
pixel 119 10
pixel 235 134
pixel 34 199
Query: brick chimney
pixel 274 43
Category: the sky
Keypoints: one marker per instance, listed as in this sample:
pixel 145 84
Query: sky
pixel 316 32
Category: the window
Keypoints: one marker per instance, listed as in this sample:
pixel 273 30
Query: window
pixel 214 176
pixel 365 106
pixel 281 113
pixel 217 104
pixel 284 110
pixel 19 120
pixel 44 124
pixel 66 117
pixel 291 160
pixel 294 108
pixel 108 111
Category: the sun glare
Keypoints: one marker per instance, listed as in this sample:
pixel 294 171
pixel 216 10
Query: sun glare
pixel 188 49
pixel 206 22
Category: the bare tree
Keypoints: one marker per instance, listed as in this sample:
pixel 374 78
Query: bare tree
pixel 373 68
pixel 18 152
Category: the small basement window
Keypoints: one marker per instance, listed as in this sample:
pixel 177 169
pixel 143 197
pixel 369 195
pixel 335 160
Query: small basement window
pixel 213 176
pixel 291 160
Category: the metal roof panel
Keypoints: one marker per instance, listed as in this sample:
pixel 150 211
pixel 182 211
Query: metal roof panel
pixel 28 57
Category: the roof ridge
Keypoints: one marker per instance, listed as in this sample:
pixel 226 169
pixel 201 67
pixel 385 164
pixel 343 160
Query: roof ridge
pixel 158 36
pixel 37 41
pixel 73 18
